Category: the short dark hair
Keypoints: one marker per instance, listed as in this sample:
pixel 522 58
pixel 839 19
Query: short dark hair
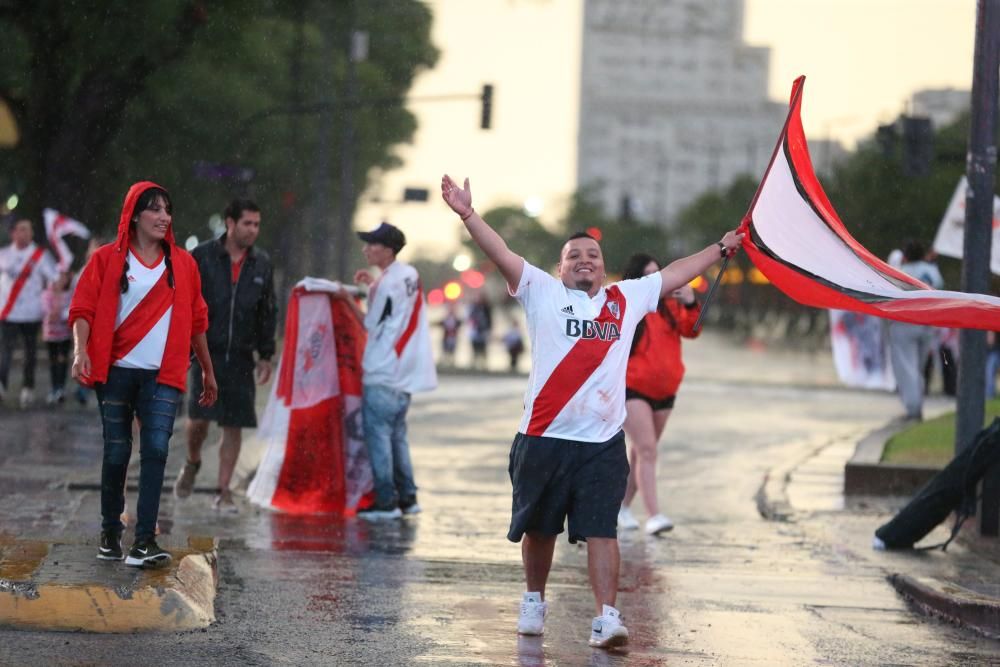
pixel 581 235
pixel 913 251
pixel 237 206
pixel 636 265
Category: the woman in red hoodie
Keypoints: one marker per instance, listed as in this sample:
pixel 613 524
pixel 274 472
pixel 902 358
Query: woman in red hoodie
pixel 655 371
pixel 136 315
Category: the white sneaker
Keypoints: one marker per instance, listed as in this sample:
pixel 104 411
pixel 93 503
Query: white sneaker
pixel 383 514
pixel 658 524
pixel 625 519
pixel 533 610
pixel 27 397
pixel 607 630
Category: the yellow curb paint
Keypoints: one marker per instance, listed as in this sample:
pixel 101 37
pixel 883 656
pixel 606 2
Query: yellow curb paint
pixel 178 597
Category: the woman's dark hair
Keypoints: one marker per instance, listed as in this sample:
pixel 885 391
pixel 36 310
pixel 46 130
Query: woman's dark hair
pixel 145 202
pixel 636 265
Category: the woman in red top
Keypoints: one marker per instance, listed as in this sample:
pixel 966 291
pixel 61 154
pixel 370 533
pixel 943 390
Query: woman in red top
pixel 136 314
pixel 655 370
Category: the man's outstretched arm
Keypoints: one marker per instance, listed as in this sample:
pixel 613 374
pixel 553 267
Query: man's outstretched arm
pixel 684 270
pixel 510 264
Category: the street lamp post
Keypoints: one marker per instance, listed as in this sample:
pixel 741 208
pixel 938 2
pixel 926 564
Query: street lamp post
pixel 980 165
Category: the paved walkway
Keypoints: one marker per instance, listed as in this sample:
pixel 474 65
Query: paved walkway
pixel 725 587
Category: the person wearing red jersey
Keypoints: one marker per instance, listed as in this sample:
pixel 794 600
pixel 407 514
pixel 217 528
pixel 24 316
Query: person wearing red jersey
pixel 568 458
pixel 136 314
pixel 655 371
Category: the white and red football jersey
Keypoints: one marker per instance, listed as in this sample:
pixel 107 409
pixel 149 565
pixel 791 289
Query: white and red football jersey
pixel 579 353
pixel 147 326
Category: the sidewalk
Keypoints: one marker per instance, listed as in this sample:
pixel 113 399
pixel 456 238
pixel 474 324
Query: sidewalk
pixel 959 585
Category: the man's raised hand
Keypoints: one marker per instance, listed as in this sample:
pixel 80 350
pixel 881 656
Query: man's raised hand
pixel 459 199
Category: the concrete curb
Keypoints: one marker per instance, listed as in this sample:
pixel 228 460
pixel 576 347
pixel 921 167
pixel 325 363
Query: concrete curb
pixel 951 602
pixel 62 587
pixel 865 475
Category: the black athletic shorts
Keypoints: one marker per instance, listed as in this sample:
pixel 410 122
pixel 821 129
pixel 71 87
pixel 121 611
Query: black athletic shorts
pixel 555 478
pixel 655 403
pixel 237 392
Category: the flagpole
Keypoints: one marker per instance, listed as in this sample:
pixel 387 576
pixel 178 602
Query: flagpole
pixel 711 291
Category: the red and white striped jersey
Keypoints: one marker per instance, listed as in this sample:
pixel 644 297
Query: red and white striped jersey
pixel 579 353
pixel 147 324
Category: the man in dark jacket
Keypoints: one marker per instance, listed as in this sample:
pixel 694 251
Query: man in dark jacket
pixel 238 286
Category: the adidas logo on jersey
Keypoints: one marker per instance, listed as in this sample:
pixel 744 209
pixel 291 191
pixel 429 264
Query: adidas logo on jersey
pixel 587 329
pixel 568 310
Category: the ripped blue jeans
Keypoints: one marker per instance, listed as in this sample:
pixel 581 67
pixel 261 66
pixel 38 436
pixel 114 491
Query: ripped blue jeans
pixel 131 393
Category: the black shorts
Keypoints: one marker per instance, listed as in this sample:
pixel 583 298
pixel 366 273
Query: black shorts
pixel 237 392
pixel 555 478
pixel 655 403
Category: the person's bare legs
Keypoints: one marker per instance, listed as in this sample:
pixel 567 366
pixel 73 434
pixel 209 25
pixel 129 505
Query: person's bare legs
pixel 603 562
pixel 196 431
pixel 536 554
pixel 643 428
pixel 229 452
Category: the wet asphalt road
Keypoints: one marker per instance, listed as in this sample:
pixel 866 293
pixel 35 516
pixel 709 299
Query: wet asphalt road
pixel 724 588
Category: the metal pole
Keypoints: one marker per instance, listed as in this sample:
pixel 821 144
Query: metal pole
pixel 320 219
pixel 345 208
pixel 711 292
pixel 980 167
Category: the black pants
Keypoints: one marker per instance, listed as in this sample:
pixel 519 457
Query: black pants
pixel 9 331
pixel 58 362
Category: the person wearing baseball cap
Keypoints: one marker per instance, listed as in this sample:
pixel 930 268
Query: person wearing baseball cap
pixel 397 362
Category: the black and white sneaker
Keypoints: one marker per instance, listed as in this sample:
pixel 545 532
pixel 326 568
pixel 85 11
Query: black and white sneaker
pixel 377 513
pixel 147 554
pixel 111 545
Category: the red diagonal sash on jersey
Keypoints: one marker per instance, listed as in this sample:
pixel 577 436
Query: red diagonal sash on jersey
pixel 570 374
pixel 22 278
pixel 411 326
pixel 142 318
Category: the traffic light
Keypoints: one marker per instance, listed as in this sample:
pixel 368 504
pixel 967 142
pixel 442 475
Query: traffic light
pixel 486 118
pixel 918 145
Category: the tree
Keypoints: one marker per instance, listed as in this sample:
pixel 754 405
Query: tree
pixel 109 95
pixel 523 233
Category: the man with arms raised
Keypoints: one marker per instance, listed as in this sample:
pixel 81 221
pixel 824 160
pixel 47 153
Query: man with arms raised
pixel 568 458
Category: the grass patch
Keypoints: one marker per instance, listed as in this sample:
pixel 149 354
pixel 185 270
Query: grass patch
pixel 930 443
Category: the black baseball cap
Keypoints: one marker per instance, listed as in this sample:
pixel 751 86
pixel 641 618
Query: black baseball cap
pixel 385 234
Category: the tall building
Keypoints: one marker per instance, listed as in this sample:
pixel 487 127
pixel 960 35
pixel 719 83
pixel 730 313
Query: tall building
pixel 672 103
pixel 941 105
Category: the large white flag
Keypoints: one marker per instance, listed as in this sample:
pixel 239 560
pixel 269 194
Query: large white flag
pixel 950 237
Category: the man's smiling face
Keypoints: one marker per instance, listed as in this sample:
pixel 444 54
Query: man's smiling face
pixel 581 265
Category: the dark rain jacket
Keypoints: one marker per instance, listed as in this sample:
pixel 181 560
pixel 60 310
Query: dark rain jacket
pixel 241 317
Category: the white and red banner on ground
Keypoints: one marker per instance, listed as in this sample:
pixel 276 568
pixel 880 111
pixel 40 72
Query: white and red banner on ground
pixel 797 240
pixel 57 227
pixel 950 237
pixel 315 461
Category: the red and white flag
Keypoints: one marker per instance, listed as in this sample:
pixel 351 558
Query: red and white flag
pixel 58 226
pixel 798 241
pixel 316 461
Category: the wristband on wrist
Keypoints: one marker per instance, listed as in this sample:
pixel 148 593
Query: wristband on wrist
pixel 722 248
pixel 468 215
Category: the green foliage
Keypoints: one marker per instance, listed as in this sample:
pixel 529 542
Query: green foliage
pixel 523 233
pixel 109 93
pixel 714 213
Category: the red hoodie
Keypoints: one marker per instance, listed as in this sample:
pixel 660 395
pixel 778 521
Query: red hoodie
pixel 98 290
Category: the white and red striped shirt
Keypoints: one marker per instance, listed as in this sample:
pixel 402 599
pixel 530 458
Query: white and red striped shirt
pixel 27 302
pixel 148 350
pixel 398 353
pixel 579 353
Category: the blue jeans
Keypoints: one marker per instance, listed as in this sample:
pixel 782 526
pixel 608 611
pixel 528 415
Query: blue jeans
pixel 992 365
pixel 130 393
pixel 384 413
